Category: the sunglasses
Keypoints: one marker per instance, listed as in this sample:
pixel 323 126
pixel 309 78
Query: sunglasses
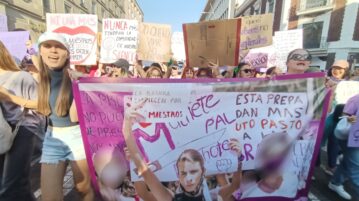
pixel 301 57
pixel 248 70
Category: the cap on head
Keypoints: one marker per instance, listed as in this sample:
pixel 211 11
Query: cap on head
pixel 47 36
pixel 122 63
pixel 341 64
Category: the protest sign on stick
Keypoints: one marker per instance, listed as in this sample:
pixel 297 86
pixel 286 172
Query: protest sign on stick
pixel 278 123
pixel 119 40
pixel 212 41
pixel 154 42
pixel 80 31
pixel 15 42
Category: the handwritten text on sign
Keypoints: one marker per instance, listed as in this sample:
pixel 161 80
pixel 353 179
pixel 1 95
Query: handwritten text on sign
pixel 256 31
pixel 80 31
pixel 119 40
pixel 155 42
pixel 212 115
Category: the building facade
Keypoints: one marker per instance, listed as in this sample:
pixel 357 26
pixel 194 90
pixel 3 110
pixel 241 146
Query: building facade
pixel 218 9
pixel 330 27
pixel 30 14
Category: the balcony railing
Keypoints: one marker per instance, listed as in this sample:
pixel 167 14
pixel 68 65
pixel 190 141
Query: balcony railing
pixel 313 6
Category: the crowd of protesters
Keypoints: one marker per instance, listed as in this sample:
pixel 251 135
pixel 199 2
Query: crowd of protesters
pixel 36 96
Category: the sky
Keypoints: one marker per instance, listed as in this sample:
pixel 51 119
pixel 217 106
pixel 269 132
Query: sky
pixel 173 12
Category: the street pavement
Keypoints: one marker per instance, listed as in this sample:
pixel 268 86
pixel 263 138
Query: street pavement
pixel 319 190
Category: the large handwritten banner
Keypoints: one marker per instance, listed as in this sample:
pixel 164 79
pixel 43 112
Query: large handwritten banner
pixel 154 42
pixel 80 31
pixel 15 42
pixel 3 23
pixel 256 31
pixel 119 40
pixel 212 41
pixel 279 124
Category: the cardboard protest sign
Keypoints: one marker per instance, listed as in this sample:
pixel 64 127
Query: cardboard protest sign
pixel 154 42
pixel 278 123
pixel 178 49
pixel 256 31
pixel 212 41
pixel 284 42
pixel 15 42
pixel 119 40
pixel 3 23
pixel 80 31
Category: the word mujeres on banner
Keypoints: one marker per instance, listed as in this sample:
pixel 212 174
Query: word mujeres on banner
pixel 277 123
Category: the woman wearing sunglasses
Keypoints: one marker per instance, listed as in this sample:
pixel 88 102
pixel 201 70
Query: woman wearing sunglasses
pixel 244 70
pixel 298 61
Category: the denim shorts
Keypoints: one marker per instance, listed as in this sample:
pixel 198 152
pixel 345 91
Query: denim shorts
pixel 62 144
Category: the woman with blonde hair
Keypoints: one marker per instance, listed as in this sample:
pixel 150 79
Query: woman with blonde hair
pixel 63 141
pixel 17 92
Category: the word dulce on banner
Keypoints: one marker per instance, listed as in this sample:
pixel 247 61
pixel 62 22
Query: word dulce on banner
pixel 119 40
pixel 80 31
pixel 154 42
pixel 256 31
pixel 212 41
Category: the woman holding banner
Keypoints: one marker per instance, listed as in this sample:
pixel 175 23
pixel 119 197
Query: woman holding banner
pixel 189 165
pixel 17 92
pixel 63 141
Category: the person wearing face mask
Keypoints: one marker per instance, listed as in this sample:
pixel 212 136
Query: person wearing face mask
pixel 63 140
pixel 298 61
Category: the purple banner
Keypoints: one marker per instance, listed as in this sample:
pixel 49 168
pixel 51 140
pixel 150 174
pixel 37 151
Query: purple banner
pixel 278 124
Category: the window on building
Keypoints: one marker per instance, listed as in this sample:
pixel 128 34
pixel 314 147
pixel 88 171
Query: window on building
pixel 68 8
pixel 312 35
pixel 93 7
pixel 257 8
pixel 315 3
pixel 270 6
pixel 46 4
